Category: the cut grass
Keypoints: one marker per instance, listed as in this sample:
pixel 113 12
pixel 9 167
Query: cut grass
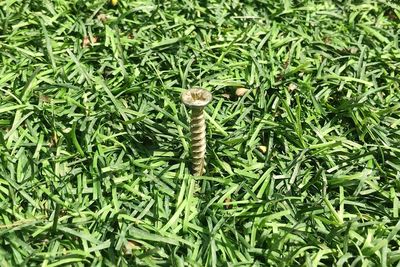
pixel 94 146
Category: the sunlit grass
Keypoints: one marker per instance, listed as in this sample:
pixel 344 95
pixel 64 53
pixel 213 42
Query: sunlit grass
pixel 302 167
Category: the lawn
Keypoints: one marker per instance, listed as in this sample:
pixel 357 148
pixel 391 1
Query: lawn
pixel 303 133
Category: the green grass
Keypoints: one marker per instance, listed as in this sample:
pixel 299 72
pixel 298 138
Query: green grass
pixel 94 141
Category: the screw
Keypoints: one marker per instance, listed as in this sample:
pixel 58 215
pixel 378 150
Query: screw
pixel 196 99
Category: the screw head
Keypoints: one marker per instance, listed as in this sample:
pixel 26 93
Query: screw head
pixel 196 97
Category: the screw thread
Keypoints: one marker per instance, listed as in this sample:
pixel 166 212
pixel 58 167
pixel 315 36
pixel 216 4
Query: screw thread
pixel 198 130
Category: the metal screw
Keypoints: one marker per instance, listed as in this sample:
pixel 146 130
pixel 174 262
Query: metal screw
pixel 196 99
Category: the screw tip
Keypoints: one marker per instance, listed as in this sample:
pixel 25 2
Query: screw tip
pixel 196 97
